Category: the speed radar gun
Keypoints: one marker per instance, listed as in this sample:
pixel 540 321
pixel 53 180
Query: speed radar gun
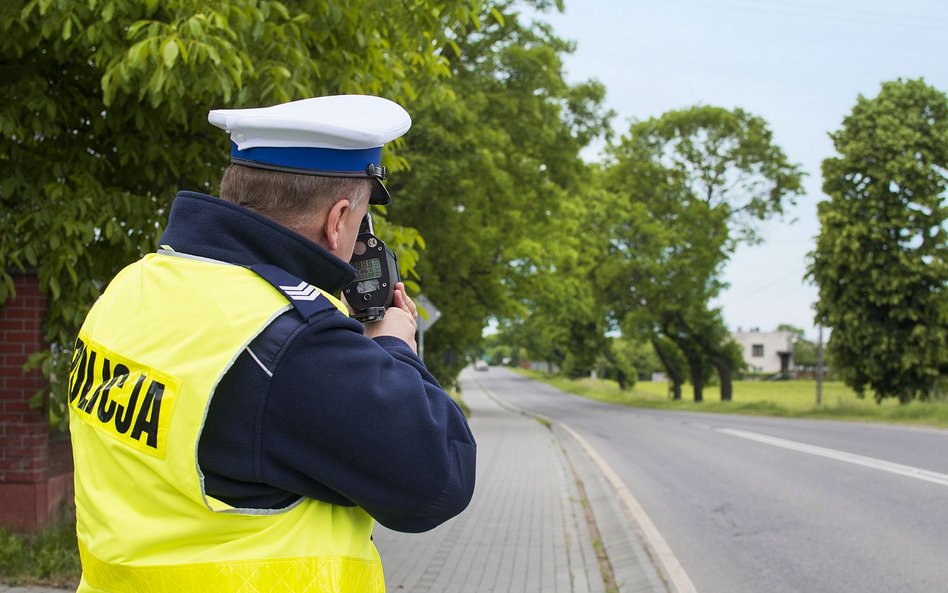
pixel 373 289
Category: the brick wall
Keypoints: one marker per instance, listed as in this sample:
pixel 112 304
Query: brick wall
pixel 29 494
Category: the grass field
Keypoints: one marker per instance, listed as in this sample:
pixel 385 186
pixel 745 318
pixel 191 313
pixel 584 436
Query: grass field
pixel 764 398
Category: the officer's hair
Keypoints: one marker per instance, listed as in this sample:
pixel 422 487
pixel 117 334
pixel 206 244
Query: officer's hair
pixel 288 197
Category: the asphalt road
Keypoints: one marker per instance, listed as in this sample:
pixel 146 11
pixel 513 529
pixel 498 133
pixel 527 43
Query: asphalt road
pixel 771 505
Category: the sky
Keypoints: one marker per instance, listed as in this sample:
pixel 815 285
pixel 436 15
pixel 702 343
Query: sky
pixel 799 64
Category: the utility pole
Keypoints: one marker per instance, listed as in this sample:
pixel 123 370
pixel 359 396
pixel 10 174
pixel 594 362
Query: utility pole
pixel 819 367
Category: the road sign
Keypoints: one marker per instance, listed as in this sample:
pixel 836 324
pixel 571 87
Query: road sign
pixel 428 314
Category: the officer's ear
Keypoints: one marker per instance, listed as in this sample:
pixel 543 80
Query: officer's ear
pixel 335 220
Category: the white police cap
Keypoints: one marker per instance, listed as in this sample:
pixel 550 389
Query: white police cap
pixel 336 136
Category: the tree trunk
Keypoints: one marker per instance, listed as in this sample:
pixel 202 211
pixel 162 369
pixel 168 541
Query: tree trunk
pixel 621 378
pixel 670 369
pixel 723 365
pixel 697 382
pixel 693 355
pixel 720 361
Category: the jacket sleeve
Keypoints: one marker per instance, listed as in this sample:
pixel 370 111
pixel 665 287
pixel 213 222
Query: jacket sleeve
pixel 365 419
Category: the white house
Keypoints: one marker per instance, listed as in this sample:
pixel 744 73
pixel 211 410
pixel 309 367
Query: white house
pixel 766 352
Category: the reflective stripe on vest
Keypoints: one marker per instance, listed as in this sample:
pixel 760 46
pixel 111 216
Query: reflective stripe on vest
pixel 148 358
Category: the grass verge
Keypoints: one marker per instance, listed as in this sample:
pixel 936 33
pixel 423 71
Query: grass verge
pixel 790 399
pixel 459 400
pixel 49 557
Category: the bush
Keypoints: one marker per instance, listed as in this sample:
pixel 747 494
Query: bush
pixel 49 557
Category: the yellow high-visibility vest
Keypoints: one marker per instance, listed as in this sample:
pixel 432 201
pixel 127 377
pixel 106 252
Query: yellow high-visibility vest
pixel 148 358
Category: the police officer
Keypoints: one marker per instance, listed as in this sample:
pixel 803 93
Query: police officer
pixel 233 428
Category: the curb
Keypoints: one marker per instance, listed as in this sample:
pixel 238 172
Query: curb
pixel 633 563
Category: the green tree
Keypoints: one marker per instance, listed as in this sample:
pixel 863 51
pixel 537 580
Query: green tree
pixel 498 350
pixel 105 113
pixel 672 360
pixel 689 186
pixel 804 351
pixel 627 361
pixel 490 176
pixel 558 288
pixel 879 260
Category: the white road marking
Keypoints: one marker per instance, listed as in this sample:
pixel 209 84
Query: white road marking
pixel 871 462
pixel 673 569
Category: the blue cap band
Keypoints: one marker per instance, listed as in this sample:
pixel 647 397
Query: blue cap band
pixel 313 159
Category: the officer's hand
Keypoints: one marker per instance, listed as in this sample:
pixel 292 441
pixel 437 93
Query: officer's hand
pixel 399 321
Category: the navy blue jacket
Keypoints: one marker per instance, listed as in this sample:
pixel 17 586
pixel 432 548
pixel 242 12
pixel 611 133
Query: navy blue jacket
pixel 315 408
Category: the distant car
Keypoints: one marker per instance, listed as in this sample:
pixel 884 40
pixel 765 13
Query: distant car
pixel 480 365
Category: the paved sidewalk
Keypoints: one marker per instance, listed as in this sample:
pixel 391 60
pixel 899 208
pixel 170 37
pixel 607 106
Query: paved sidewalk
pixel 525 530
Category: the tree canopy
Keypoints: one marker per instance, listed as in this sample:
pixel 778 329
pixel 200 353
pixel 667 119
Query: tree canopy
pixel 879 260
pixel 107 100
pixel 105 116
pixel 106 119
pixel 496 217
pixel 687 187
pixel 490 180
